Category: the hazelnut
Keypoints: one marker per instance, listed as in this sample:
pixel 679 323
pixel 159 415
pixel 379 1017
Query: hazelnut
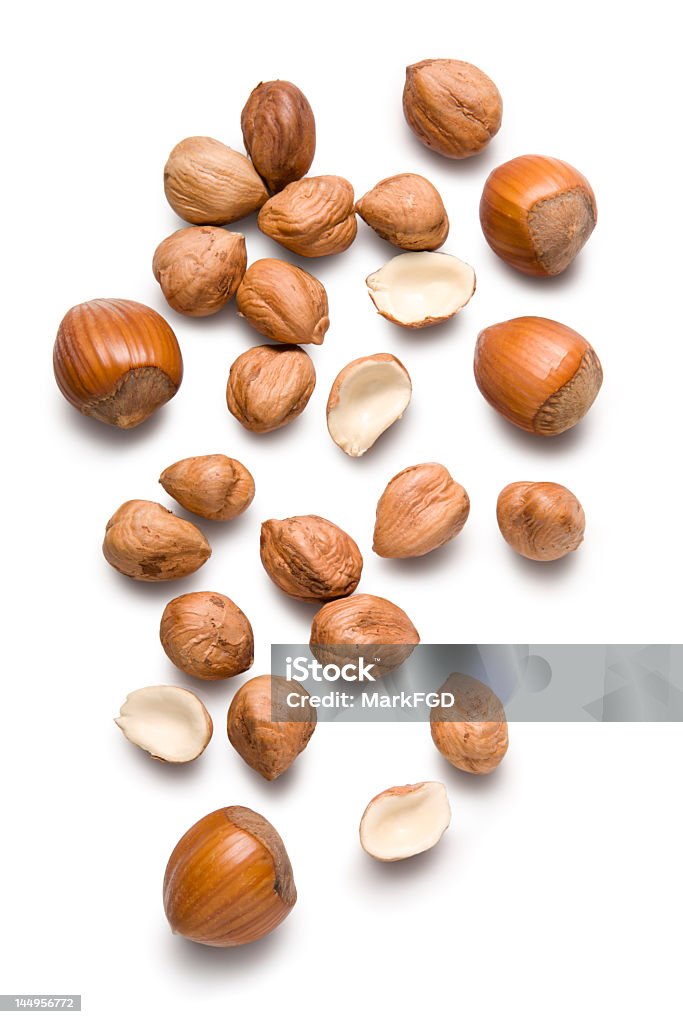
pixel 403 821
pixel 472 734
pixel 537 213
pixel 212 486
pixel 310 558
pixel 312 216
pixel 407 211
pixel 264 730
pixel 418 289
pixel 269 386
pixel 279 133
pixel 116 360
pixel 541 375
pixel 367 396
pixel 200 268
pixel 206 635
pixel 229 880
pixel 542 521
pixel 363 625
pixel 147 542
pixel 209 183
pixel 453 107
pixel 284 303
pixel 421 509
pixel 170 723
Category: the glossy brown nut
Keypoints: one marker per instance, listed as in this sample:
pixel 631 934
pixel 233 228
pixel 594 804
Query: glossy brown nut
pixel 206 635
pixel 542 521
pixel 269 386
pixel 209 183
pixel 422 508
pixel 310 558
pixel 407 211
pixel 212 486
pixel 284 303
pixel 265 730
pixel 472 733
pixel 312 216
pixel 200 268
pixel 145 541
pixel 363 626
pixel 279 133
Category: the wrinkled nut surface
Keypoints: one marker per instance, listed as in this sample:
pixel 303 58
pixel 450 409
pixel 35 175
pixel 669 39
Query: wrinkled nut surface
pixel 278 128
pixel 206 635
pixel 200 268
pixel 418 289
pixel 472 734
pixel 407 211
pixel 284 303
pixel 405 820
pixel 542 521
pixel 170 723
pixel 366 398
pixel 146 541
pixel 229 880
pixel 116 361
pixel 209 183
pixel 363 626
pixel 421 509
pixel 269 386
pixel 537 213
pixel 264 730
pixel 311 217
pixel 212 486
pixel 452 106
pixel 541 375
pixel 310 558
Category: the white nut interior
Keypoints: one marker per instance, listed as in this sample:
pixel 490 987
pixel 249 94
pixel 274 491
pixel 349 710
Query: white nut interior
pixel 405 820
pixel 419 288
pixel 167 721
pixel 372 395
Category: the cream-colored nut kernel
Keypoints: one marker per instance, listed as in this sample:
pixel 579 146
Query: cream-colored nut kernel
pixel 170 723
pixel 209 183
pixel 407 211
pixel 212 486
pixel 279 132
pixel 421 509
pixel 284 303
pixel 146 541
pixel 405 820
pixel 269 386
pixel 310 558
pixel 312 217
pixel 542 521
pixel 200 268
pixel 367 396
pixel 364 626
pixel 418 289
pixel 265 729
pixel 472 734
pixel 206 635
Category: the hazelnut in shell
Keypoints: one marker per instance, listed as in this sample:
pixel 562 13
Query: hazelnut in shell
pixel 206 635
pixel 264 729
pixel 541 521
pixel 213 486
pixel 200 268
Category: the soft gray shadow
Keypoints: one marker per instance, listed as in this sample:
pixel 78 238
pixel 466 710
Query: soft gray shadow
pixel 556 570
pixel 158 769
pixel 434 561
pixel 286 782
pixel 575 274
pixel 395 873
pixel 160 593
pixel 570 440
pixel 478 166
pixel 303 611
pixel 468 780
pixel 106 434
pixel 235 961
pixel 446 330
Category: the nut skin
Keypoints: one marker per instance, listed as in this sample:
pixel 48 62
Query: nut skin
pixel 209 183
pixel 407 211
pixel 541 521
pixel 116 361
pixel 312 216
pixel 284 303
pixel 452 106
pixel 537 213
pixel 421 509
pixel 278 128
pixel 206 635
pixel 264 730
pixel 269 386
pixel 229 880
pixel 473 734
pixel 310 558
pixel 200 268
pixel 146 541
pixel 213 486
pixel 363 625
pixel 539 374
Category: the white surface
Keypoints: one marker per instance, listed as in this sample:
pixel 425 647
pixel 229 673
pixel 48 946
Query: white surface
pixel 555 894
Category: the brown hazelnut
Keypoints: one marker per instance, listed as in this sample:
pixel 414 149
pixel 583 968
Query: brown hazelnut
pixel 312 216
pixel 212 486
pixel 421 509
pixel 542 521
pixel 146 541
pixel 209 183
pixel 200 268
pixel 284 303
pixel 269 386
pixel 279 133
pixel 310 558
pixel 363 626
pixel 407 211
pixel 472 734
pixel 206 635
pixel 264 729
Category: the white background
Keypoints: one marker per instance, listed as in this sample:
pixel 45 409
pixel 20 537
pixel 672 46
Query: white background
pixel 556 892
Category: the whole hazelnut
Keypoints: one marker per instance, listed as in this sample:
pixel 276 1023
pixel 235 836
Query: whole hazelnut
pixel 542 521
pixel 284 303
pixel 312 216
pixel 363 626
pixel 537 213
pixel 200 268
pixel 421 509
pixel 146 541
pixel 269 386
pixel 206 635
pixel 472 733
pixel 539 374
pixel 452 106
pixel 310 558
pixel 279 133
pixel 116 360
pixel 263 727
pixel 209 183
pixel 407 211
pixel 212 486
